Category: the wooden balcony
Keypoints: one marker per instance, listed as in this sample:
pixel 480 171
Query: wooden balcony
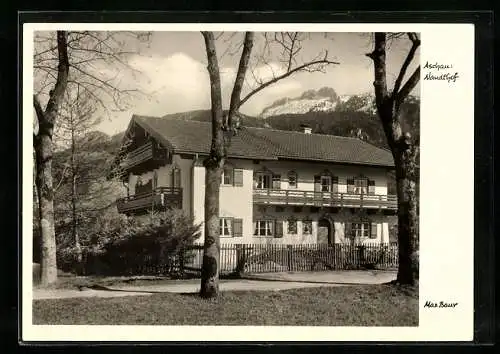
pixel 158 199
pixel 323 199
pixel 146 157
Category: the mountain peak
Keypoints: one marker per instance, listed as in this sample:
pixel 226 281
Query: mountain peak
pixel 324 99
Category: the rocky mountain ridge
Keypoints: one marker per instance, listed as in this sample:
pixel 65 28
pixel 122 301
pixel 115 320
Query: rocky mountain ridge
pixel 324 99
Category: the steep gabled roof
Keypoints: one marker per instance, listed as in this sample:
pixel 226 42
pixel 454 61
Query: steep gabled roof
pixel 188 136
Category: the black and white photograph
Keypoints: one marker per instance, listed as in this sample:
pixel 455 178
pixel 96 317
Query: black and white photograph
pixel 222 177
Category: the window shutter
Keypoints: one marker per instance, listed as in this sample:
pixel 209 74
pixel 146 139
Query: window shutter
pixel 237 227
pixel 292 176
pixel 276 182
pixel 155 180
pixel 373 230
pixel 176 178
pixel 348 230
pixel 278 229
pixel 335 184
pixel 238 178
pixel 317 183
pixel 371 187
pixel 350 185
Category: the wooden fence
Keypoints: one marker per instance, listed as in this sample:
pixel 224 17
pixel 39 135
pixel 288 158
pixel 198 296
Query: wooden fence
pixel 251 258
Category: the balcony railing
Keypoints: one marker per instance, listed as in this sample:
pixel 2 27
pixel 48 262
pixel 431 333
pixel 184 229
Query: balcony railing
pixel 323 199
pixel 145 157
pixel 158 199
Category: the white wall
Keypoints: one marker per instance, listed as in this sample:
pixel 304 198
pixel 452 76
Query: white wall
pixel 306 172
pixel 235 202
pixel 342 217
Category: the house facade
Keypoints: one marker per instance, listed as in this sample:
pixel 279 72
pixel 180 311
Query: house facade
pixel 278 187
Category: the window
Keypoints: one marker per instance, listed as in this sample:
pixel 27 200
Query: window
pixel 226 227
pixel 373 231
pixel 292 180
pixel 232 177
pixel 292 226
pixel 227 176
pixel 360 185
pixel 263 228
pixel 361 229
pixel 138 184
pixel 263 181
pixel 307 227
pixel 276 181
pixel 326 183
pixel 141 187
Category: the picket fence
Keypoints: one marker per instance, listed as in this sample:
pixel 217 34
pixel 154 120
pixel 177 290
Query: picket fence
pixel 253 258
pixel 263 258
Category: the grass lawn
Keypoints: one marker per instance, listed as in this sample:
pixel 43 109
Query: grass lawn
pixel 363 305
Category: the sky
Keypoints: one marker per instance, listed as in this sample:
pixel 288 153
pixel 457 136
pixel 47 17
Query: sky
pixel 173 75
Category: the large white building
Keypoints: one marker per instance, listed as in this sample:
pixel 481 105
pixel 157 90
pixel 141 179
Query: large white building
pixel 278 186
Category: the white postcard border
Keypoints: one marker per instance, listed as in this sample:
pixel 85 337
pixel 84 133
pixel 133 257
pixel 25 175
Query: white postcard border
pixel 447 199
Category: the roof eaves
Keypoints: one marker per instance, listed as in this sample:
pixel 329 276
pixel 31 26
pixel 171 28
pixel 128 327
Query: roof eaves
pixel 350 162
pixel 234 156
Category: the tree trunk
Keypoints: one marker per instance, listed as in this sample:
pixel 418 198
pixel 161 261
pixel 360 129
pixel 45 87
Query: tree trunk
pixel 408 240
pixel 48 263
pixel 211 248
pixel 43 152
pixel 213 173
pixel 404 152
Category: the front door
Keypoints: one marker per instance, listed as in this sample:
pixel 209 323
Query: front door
pixel 324 232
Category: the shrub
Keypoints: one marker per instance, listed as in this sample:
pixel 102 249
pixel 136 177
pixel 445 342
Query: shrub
pixel 134 247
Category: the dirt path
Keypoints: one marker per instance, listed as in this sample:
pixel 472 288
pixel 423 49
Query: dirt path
pixel 265 282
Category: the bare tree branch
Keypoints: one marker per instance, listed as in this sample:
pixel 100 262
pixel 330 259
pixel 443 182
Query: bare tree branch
pixel 303 67
pixel 62 78
pixel 408 87
pixel 215 94
pixel 409 58
pixel 378 57
pixel 63 177
pixel 38 107
pixel 240 77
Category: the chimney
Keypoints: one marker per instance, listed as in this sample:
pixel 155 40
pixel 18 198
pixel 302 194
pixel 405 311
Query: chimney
pixel 306 129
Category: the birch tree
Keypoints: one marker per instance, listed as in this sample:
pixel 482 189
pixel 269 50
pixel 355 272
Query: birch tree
pixel 223 124
pixel 404 148
pixel 66 60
